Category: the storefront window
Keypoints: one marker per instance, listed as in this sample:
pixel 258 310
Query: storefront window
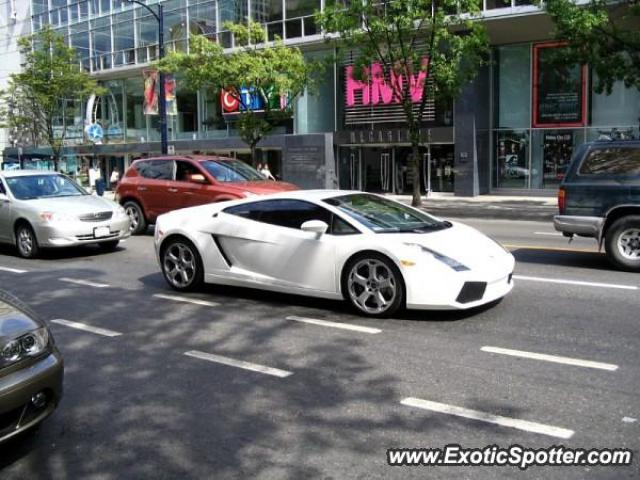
pixel 511 168
pixel 314 113
pixel 512 83
pixel 136 121
pixel 620 108
pixel 109 112
pixel 551 153
pixel 202 18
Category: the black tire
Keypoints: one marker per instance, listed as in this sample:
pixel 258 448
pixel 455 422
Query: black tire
pixel 136 217
pixel 622 243
pixel 393 294
pixel 181 264
pixel 109 246
pixel 26 241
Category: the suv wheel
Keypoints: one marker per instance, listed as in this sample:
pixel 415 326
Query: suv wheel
pixel 622 243
pixel 136 217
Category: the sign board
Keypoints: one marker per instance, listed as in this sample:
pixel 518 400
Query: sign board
pixel 171 150
pixel 94 132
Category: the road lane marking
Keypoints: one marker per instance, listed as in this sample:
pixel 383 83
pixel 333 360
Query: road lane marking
pixel 231 362
pixel 524 425
pixel 85 283
pixel 550 234
pixel 195 301
pixel 551 358
pixel 12 270
pixel 87 328
pixel 343 326
pixel 550 249
pixel 574 282
pixel 629 419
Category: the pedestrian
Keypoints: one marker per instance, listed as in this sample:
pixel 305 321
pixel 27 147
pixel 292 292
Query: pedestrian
pixel 259 167
pixel 115 178
pixel 266 172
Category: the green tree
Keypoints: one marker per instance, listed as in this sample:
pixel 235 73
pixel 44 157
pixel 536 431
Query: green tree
pixel 50 78
pixel 603 34
pixel 270 70
pixel 406 37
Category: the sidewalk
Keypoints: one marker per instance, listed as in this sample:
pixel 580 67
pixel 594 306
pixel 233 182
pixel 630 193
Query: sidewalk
pixel 487 206
pixel 484 206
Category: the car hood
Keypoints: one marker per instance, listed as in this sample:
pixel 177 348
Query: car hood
pixel 13 321
pixel 460 242
pixel 73 205
pixel 264 187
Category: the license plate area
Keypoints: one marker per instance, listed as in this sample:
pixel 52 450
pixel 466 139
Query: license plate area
pixel 101 232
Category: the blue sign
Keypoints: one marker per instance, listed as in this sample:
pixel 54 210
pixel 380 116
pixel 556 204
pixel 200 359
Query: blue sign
pixel 95 133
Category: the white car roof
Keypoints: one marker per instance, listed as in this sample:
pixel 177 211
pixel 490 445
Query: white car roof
pixel 313 195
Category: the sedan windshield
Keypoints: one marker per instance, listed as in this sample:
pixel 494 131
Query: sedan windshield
pixel 232 171
pixel 385 216
pixel 43 186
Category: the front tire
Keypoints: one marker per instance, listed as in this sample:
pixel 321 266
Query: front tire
pixel 26 241
pixel 373 285
pixel 622 243
pixel 182 265
pixel 136 217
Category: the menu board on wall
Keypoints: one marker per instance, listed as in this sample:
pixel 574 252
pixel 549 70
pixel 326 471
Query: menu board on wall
pixel 559 90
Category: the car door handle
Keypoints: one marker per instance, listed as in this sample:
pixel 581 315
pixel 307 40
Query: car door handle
pixel 173 190
pixel 142 189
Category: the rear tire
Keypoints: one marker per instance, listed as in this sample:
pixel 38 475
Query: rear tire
pixel 622 243
pixel 26 241
pixel 181 265
pixel 136 217
pixel 373 285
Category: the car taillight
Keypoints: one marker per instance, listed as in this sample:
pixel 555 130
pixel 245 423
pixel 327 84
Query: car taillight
pixel 562 200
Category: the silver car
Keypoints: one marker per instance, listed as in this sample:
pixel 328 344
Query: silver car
pixel 40 209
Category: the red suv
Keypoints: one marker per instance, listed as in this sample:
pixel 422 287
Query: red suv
pixel 153 186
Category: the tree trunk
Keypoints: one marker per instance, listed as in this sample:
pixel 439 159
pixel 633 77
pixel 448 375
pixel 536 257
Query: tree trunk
pixel 254 155
pixel 416 162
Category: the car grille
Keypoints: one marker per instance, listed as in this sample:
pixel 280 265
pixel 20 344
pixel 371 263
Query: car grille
pixel 91 237
pixel 471 292
pixel 96 217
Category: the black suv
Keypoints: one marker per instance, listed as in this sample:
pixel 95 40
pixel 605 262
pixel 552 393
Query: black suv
pixel 600 198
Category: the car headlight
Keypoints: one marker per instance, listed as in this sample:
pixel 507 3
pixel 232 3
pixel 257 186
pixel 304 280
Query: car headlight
pixel 120 211
pixel 57 217
pixel 448 261
pixel 30 344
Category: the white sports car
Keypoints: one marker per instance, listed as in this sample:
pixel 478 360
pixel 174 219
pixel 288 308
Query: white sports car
pixel 376 253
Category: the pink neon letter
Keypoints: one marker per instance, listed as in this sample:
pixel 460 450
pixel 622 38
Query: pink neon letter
pixel 353 85
pixel 379 88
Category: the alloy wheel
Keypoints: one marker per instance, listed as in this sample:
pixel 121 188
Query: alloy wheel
pixel 179 264
pixel 26 242
pixel 134 217
pixel 372 286
pixel 629 244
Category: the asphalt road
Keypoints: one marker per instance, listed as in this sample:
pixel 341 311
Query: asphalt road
pixel 136 406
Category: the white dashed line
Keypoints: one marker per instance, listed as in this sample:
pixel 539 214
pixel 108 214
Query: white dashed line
pixel 551 358
pixel 87 328
pixel 343 326
pixel 574 282
pixel 12 270
pixel 85 283
pixel 254 367
pixel 524 425
pixel 550 234
pixel 195 301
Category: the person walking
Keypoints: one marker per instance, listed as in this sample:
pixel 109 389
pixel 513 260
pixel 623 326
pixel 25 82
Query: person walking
pixel 266 172
pixel 115 178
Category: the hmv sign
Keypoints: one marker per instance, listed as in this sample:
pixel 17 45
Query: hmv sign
pixel 373 99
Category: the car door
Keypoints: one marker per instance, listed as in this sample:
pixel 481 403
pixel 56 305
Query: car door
pixel 5 215
pixel 191 193
pixel 154 189
pixel 263 241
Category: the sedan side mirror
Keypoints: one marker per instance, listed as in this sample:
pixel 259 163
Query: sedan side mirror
pixel 315 226
pixel 198 178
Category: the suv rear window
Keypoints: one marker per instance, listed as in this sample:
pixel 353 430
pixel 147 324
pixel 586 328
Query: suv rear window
pixel 612 161
pixel 156 169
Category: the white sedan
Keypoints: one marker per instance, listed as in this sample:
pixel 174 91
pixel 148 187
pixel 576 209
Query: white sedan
pixel 378 254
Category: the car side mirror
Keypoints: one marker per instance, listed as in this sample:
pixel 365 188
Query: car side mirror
pixel 315 226
pixel 198 178
pixel 4 197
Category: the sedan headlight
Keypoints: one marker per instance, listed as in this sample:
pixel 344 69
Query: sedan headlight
pixel 448 261
pixel 30 344
pixel 120 211
pixel 57 217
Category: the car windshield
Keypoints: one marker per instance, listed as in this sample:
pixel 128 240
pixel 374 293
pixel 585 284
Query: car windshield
pixel 385 216
pixel 232 171
pixel 31 187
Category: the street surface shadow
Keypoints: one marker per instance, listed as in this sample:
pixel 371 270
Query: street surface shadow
pixel 66 253
pixel 591 260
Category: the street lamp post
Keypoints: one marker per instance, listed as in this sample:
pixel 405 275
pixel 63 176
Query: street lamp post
pixel 159 16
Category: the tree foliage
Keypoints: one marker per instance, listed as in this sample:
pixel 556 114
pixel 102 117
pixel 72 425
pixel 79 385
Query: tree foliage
pixel 406 37
pixel 603 34
pixel 36 98
pixel 268 69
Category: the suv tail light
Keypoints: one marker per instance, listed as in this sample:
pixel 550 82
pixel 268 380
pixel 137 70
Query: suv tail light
pixel 562 200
